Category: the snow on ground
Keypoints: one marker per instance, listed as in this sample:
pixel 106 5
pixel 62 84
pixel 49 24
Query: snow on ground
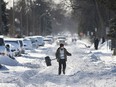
pixel 8 61
pixel 85 68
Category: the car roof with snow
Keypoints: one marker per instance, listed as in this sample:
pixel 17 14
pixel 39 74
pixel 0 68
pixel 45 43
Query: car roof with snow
pixel 47 38
pixel 1 36
pixel 37 36
pixel 13 39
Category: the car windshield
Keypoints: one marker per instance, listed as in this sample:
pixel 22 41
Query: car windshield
pixel 14 43
pixel 1 42
pixel 11 42
pixel 33 40
pixel 61 38
pixel 47 40
pixel 40 39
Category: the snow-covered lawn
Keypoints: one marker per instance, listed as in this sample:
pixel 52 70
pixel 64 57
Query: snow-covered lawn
pixel 85 68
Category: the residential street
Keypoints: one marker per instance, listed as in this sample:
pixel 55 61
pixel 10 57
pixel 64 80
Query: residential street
pixel 84 69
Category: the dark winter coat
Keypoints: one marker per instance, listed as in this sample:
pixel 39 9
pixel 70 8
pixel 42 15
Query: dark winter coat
pixel 66 53
pixel 96 41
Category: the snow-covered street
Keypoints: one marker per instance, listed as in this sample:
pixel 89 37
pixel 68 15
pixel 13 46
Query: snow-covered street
pixel 85 68
pixel 57 43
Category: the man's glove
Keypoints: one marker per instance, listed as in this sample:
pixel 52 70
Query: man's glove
pixel 65 59
pixel 70 54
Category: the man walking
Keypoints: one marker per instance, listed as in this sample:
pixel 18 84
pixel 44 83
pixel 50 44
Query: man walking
pixel 96 43
pixel 61 56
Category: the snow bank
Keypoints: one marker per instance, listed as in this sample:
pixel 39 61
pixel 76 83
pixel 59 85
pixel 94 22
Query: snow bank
pixel 94 58
pixel 105 46
pixel 83 44
pixel 8 61
pixel 8 85
pixel 104 54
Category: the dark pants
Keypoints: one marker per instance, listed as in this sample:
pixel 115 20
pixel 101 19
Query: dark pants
pixel 62 62
pixel 96 46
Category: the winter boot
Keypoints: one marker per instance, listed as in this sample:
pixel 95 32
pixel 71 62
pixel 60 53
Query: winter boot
pixel 63 71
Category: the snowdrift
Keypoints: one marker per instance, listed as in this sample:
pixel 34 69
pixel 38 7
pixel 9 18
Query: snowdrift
pixel 8 61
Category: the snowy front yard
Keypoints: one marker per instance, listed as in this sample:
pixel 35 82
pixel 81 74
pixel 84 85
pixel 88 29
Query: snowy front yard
pixel 85 68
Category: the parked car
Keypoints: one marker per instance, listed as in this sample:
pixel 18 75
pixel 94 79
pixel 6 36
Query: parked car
pixel 21 45
pixel 34 41
pixel 40 40
pixel 10 50
pixel 51 37
pixel 17 43
pixel 27 44
pixel 48 41
pixel 3 51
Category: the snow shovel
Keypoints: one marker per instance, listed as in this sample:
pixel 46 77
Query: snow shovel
pixel 48 61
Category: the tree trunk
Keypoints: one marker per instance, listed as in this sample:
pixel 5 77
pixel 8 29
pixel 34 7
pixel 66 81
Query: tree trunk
pixel 114 51
pixel 0 16
pixel 114 46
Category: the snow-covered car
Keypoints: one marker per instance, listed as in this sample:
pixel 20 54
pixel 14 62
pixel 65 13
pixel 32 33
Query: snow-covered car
pixel 21 45
pixel 16 47
pixel 48 41
pixel 2 47
pixel 33 40
pixel 50 37
pixel 16 43
pixel 10 50
pixel 61 39
pixel 27 44
pixel 40 40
